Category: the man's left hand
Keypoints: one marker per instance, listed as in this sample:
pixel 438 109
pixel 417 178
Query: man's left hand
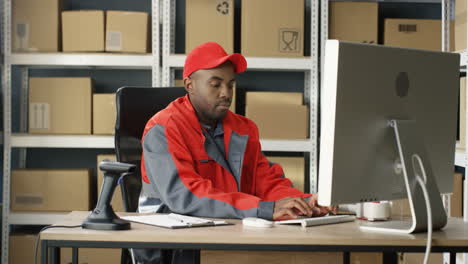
pixel 320 210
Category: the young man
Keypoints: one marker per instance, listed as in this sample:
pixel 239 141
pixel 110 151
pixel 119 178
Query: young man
pixel 201 159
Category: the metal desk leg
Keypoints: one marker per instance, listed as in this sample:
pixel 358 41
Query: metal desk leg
pixel 453 257
pixel 44 252
pixel 74 255
pixel 346 257
pixel 390 257
pixel 196 256
pixel 54 255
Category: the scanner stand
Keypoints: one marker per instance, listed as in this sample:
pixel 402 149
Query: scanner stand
pixel 103 216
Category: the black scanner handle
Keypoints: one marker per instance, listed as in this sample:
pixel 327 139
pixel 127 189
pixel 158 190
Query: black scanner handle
pixel 103 216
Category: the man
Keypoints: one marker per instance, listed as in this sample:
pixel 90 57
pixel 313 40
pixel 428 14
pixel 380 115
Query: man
pixel 201 159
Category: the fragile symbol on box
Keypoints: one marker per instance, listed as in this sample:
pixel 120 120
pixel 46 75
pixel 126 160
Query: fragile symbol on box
pixel 114 41
pixel 39 114
pixel 223 7
pixel 289 40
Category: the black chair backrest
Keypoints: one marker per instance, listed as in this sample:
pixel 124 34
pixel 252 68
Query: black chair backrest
pixel 135 106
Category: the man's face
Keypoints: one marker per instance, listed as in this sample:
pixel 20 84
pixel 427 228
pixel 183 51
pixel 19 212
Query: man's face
pixel 210 92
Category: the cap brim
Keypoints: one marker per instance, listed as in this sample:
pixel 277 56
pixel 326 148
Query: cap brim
pixel 237 59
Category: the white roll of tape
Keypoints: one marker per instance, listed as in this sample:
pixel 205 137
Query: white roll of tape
pixel 374 211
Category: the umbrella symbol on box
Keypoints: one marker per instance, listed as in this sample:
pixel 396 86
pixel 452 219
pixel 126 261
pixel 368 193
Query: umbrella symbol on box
pixel 289 40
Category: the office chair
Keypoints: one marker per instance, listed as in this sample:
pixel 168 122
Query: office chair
pixel 135 106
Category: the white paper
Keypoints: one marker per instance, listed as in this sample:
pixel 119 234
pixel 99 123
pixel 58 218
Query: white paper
pixel 173 220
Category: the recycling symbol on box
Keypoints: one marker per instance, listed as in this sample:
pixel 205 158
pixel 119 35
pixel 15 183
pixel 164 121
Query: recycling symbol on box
pixel 223 7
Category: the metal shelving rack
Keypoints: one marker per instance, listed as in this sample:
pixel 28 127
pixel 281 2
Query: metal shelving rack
pixel 23 141
pixel 309 65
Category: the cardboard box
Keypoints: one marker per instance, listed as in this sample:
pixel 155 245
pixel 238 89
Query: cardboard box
pixel 83 31
pixel 417 258
pixel 456 199
pixel 50 190
pixel 104 114
pixel 293 168
pixel 401 208
pixel 415 33
pixel 267 257
pixel 268 98
pixel 366 258
pixel 60 105
pixel 354 21
pixel 92 255
pixel 209 20
pixel 460 24
pixel 116 202
pixel 36 25
pixel 272 28
pixel 276 120
pixel 21 249
pixel 127 31
pixel 179 83
pixel 462 117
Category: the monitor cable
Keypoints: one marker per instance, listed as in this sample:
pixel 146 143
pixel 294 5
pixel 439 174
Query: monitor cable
pixel 39 235
pixel 422 182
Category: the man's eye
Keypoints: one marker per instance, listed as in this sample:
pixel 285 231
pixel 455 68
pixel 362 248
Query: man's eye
pixel 216 85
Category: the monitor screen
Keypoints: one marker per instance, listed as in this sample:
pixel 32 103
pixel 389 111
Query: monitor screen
pixel 364 87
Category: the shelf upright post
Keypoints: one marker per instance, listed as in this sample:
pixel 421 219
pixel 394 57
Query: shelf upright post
pixel 155 44
pixel 446 15
pixel 312 90
pixel 24 104
pixel 465 182
pixel 168 40
pixel 6 88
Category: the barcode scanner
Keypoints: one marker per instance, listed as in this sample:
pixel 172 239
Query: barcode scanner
pixel 103 216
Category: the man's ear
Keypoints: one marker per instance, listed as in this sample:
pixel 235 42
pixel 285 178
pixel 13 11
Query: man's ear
pixel 188 84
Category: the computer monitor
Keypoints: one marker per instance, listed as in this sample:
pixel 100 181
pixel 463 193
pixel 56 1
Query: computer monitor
pixel 382 105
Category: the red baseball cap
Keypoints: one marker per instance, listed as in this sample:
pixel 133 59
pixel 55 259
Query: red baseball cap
pixel 210 55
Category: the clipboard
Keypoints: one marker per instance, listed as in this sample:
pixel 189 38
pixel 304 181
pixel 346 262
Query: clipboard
pixel 174 221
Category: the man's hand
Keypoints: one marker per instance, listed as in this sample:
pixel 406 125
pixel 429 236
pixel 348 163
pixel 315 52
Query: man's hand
pixel 291 208
pixel 323 209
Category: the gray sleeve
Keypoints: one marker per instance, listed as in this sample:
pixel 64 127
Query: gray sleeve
pixel 203 199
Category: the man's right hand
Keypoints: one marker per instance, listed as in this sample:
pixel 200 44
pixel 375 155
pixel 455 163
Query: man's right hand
pixel 290 207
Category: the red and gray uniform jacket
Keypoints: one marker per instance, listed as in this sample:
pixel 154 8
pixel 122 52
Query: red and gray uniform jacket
pixel 184 172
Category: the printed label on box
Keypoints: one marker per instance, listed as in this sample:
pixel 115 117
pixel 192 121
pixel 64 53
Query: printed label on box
pixel 22 36
pixel 223 7
pixel 114 40
pixel 407 28
pixel 289 40
pixel 29 199
pixel 39 116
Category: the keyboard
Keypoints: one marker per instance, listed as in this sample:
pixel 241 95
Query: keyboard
pixel 314 221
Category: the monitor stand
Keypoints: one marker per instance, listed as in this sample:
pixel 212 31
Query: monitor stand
pixel 410 145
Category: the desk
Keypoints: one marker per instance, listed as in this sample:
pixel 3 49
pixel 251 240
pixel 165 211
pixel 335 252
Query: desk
pixel 337 237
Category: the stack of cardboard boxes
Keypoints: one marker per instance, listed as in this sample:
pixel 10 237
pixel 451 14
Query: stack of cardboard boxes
pixel 21 251
pixel 62 106
pixel 358 22
pixel 44 27
pixel 272 28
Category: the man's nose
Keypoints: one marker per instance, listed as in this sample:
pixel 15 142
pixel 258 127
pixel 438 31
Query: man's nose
pixel 225 92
